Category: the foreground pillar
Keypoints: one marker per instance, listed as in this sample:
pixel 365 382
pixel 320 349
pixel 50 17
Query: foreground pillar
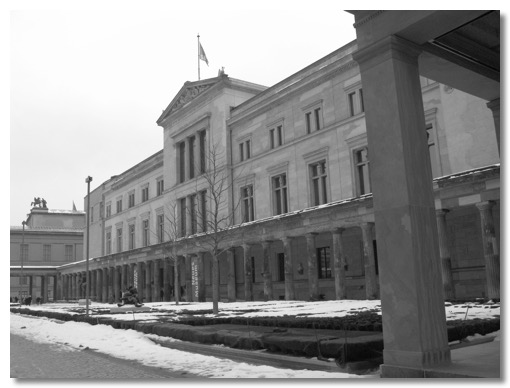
pixel 156 291
pixel 444 253
pixel 138 281
pixel 289 269
pixel 490 248
pixel 313 276
pixel 111 296
pixel 413 314
pixel 188 286
pixel 104 284
pixel 339 263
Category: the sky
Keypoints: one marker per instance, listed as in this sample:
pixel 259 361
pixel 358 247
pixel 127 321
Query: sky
pixel 133 345
pixel 88 80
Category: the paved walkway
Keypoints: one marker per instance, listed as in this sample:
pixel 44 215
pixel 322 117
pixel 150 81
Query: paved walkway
pixel 34 360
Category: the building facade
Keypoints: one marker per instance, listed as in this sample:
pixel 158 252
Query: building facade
pixel 48 240
pixel 285 173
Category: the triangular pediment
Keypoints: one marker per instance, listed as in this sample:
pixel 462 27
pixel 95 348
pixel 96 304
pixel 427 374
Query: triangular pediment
pixel 189 92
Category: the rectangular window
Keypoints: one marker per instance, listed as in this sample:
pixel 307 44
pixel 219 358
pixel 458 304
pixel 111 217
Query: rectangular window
pixel 313 117
pixel 280 258
pixel 362 171
pixel 131 200
pixel 202 152
pixel 119 240
pixel 245 150
pixel 108 243
pixel 119 205
pixel 193 213
pixel 145 193
pixel 46 252
pixel 161 228
pixel 108 210
pixel 191 142
pixel 203 209
pixel 69 253
pixel 247 211
pixel 319 184
pixel 145 231
pixel 23 252
pixel 280 204
pixel 160 187
pixel 276 136
pixel 317 114
pixel 308 116
pixel 183 216
pixel 131 236
pixel 182 162
pixel 356 105
pixel 324 263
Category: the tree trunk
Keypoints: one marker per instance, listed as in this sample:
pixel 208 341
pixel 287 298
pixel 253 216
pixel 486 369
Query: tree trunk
pixel 215 283
pixel 177 285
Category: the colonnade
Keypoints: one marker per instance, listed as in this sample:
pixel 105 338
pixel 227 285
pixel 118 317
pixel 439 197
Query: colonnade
pixel 159 279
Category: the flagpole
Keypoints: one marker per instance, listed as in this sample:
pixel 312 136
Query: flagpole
pixel 198 56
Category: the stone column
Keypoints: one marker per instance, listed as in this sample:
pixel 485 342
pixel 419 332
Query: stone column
pixel 64 288
pixel 414 322
pixel 92 295
pixel 30 285
pixel 490 248
pixel 44 288
pixel 111 295
pixel 289 269
pixel 104 284
pixel 189 286
pixel 59 287
pixel 268 281
pixel 339 263
pixel 494 107
pixel 131 277
pixel 313 276
pixel 98 275
pixel 444 253
pixel 167 290
pixel 74 282
pixel 116 284
pixel 148 288
pixel 139 281
pixel 177 279
pixel 371 283
pixel 156 291
pixel 201 277
pixel 231 276
pixel 123 277
pixel 248 285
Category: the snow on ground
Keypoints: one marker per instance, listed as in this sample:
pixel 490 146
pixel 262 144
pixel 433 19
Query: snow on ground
pixel 333 308
pixel 133 345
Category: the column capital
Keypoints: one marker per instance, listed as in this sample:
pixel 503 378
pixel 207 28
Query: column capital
pixel 311 235
pixel 485 205
pixel 286 239
pixel 388 47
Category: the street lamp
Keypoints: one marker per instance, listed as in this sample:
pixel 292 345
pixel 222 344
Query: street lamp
pixel 87 292
pixel 22 254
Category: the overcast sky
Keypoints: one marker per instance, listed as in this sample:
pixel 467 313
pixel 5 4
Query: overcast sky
pixel 87 84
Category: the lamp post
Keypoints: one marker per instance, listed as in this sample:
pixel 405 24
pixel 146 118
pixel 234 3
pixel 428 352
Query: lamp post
pixel 22 256
pixel 87 292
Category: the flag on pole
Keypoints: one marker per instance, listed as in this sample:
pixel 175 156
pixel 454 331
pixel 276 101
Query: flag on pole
pixel 201 54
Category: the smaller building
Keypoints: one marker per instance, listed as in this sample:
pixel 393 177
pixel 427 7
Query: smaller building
pixel 48 239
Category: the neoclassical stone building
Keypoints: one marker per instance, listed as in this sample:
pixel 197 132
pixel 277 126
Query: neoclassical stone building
pixel 49 239
pixel 295 170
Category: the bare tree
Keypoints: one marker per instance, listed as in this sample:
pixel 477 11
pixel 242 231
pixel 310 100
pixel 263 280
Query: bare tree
pixel 216 217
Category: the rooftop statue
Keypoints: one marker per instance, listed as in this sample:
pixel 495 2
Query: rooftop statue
pixel 39 202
